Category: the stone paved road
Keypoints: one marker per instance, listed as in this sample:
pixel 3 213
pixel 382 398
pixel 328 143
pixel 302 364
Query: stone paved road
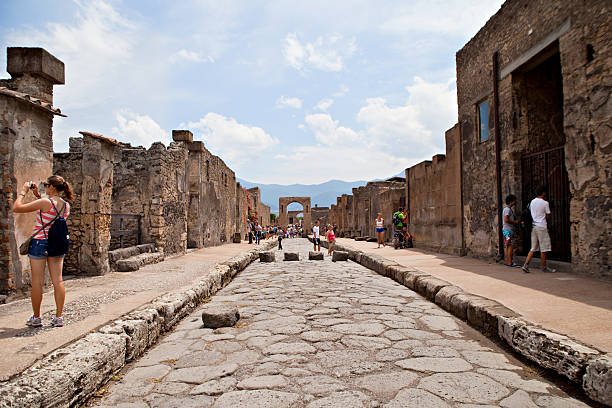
pixel 323 334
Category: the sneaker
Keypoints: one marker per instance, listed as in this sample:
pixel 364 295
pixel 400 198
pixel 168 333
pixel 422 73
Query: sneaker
pixel 34 322
pixel 548 270
pixel 512 265
pixel 525 268
pixel 57 322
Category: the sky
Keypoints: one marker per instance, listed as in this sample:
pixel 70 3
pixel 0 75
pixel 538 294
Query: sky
pixel 283 91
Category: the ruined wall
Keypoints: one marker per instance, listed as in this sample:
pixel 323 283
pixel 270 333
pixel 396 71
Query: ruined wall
pixel 368 201
pixel 537 42
pixel 435 199
pixel 391 200
pixel 321 214
pixel 241 216
pixel 263 210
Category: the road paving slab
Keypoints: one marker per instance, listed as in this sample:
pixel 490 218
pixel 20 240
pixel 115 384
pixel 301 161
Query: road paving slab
pixel 324 334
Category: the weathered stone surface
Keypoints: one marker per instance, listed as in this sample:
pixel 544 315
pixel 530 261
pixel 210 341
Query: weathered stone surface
pixel 550 401
pixel 262 382
pixel 389 383
pixel 291 256
pixel 445 294
pixel 597 380
pixel 435 364
pixel 217 315
pixel 339 256
pixel 256 398
pixel 315 256
pixel 464 387
pixel 341 399
pixel 429 286
pixel 416 398
pixel 267 256
pixel 439 322
pixel 201 374
pixel 554 351
pixel 520 399
pixel 513 380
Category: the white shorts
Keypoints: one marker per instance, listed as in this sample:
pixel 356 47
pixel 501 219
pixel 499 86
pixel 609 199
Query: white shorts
pixel 540 240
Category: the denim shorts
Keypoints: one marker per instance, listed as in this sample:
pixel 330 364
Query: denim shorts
pixel 38 249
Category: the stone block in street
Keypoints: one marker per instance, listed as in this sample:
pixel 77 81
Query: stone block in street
pixel 339 256
pixel 267 256
pixel 597 381
pixel 315 256
pixel 217 315
pixel 292 256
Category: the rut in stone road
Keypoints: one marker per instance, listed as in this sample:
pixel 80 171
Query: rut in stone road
pixel 323 334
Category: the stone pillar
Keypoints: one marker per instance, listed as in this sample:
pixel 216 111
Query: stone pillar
pixel 194 215
pixel 157 153
pixel 96 190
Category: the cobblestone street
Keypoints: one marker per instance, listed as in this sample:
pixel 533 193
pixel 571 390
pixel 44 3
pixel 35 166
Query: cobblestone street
pixel 323 334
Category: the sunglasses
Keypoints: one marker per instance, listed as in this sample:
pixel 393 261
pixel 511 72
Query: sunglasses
pixel 46 184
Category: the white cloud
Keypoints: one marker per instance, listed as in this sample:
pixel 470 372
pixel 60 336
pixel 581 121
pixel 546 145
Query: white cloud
pixel 233 141
pixel 324 104
pixel 342 91
pixel 327 131
pixel 416 128
pixel 451 17
pixel 190 56
pixel 325 53
pixel 139 130
pixel 284 102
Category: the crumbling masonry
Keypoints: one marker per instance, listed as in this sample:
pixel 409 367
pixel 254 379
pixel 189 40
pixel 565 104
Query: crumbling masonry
pixel 176 197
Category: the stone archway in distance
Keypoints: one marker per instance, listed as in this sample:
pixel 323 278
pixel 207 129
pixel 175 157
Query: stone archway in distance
pixel 283 220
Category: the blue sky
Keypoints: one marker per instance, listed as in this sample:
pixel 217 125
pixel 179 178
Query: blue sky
pixel 284 92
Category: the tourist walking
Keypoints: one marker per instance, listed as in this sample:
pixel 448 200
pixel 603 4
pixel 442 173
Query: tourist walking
pixel 280 238
pixel 509 223
pixel 331 239
pixel 49 210
pixel 540 240
pixel 316 238
pixel 380 230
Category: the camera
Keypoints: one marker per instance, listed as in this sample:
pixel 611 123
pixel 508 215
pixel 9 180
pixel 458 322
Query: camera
pixel 32 186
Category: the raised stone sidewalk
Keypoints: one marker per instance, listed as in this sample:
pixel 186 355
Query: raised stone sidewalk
pixel 98 346
pixel 478 294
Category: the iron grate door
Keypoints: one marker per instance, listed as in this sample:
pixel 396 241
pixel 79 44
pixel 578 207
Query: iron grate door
pixel 548 168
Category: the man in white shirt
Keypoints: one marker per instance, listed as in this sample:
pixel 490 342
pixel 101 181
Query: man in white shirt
pixel 316 238
pixel 540 240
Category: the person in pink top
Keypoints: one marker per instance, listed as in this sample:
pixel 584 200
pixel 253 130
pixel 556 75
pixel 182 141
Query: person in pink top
pixel 47 209
pixel 331 239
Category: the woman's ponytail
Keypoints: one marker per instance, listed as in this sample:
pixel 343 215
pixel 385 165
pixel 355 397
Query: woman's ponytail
pixel 61 185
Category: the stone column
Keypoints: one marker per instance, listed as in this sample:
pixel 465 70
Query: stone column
pixel 96 190
pixel 156 209
pixel 194 216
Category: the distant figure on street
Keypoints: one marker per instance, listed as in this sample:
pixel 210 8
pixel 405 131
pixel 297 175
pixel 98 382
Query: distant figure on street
pixel 48 210
pixel 331 239
pixel 380 230
pixel 508 229
pixel 280 235
pixel 316 238
pixel 540 240
pixel 257 233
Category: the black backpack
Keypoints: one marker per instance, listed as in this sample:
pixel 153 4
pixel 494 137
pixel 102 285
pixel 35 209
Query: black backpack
pixel 58 236
pixel 395 219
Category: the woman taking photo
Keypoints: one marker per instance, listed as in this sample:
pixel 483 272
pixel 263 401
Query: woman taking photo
pixel 48 209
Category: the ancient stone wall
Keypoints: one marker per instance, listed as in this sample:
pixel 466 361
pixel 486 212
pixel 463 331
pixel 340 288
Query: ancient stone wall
pixel 321 214
pixel 554 76
pixel 26 150
pixel 368 201
pixel 390 201
pixel 263 210
pixel 435 199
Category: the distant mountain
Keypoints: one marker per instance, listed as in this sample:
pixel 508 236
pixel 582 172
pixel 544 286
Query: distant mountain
pixel 323 194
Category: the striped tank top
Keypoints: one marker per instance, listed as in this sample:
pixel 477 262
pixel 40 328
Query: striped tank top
pixel 48 216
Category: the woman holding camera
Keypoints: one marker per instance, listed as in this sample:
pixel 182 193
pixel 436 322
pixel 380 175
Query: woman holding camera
pixel 48 209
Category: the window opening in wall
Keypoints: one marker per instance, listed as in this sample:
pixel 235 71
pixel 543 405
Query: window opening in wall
pixel 590 53
pixel 483 120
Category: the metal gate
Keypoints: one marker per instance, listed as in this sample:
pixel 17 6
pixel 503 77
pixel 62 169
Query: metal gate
pixel 548 168
pixel 125 230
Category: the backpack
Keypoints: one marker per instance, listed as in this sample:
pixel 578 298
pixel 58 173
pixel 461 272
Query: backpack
pixel 58 236
pixel 396 219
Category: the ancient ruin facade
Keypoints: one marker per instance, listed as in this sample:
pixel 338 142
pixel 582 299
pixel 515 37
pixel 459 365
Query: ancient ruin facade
pixel 283 203
pixel 169 198
pixel 26 149
pixel 320 214
pixel 261 210
pixel 535 109
pixel 434 199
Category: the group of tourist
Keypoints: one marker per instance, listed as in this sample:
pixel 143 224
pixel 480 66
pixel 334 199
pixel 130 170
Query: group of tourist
pixel 330 236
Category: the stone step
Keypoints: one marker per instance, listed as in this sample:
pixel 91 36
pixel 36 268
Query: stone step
pixel 134 263
pixel 124 253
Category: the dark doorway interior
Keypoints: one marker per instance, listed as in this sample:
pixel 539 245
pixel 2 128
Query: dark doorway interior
pixel 540 89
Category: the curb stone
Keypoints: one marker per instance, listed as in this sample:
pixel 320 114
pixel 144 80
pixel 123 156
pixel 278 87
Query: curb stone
pixel 71 374
pixel 581 364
